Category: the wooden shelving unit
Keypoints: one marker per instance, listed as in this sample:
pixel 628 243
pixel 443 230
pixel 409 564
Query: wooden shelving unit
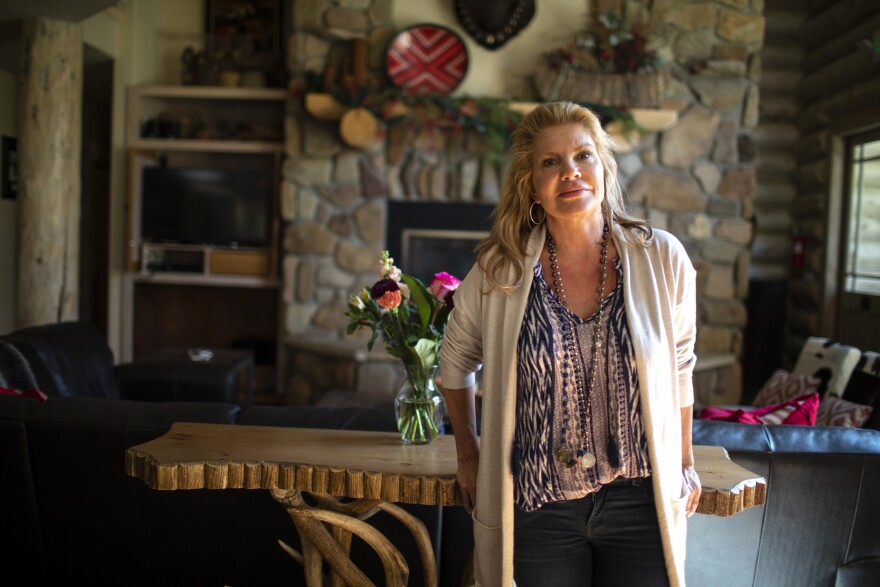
pixel 208 146
pixel 183 295
pixel 207 118
pixel 207 127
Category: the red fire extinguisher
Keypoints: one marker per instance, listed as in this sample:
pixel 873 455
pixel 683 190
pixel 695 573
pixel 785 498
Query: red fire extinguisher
pixel 798 248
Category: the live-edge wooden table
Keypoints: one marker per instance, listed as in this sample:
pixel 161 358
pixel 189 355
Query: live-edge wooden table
pixel 374 468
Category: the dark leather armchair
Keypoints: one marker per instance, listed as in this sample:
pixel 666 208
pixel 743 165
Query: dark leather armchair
pixel 73 359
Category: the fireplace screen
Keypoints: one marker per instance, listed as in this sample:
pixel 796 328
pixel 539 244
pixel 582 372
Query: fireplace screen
pixel 429 237
pixel 426 252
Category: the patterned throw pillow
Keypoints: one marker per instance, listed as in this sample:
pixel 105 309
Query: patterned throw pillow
pixel 834 411
pixel 833 360
pixel 783 386
pixel 800 411
pixel 864 387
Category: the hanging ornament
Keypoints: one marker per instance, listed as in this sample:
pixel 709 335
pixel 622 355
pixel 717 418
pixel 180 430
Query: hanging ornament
pixel 427 60
pixel 492 24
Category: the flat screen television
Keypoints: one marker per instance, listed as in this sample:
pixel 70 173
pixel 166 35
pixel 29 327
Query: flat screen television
pixel 205 206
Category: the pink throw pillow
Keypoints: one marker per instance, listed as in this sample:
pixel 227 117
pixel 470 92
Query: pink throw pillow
pixel 800 411
pixel 783 386
pixel 834 411
pixel 31 393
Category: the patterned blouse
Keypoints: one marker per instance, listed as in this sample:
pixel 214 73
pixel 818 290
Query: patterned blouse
pixel 539 477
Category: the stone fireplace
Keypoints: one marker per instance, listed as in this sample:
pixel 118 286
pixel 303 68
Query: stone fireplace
pixel 342 206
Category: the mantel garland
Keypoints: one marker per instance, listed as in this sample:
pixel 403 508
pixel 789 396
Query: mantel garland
pixel 492 117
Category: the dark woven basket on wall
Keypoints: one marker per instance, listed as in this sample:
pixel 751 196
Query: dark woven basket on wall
pixel 635 90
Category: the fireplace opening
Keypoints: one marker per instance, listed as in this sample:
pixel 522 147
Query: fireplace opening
pixel 425 238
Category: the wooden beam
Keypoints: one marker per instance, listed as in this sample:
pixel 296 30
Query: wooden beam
pixel 324 106
pixel 858 66
pixel 844 101
pixel 838 18
pixel 837 47
pixel 49 163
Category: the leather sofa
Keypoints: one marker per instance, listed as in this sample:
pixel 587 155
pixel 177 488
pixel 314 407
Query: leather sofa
pixel 820 524
pixel 73 359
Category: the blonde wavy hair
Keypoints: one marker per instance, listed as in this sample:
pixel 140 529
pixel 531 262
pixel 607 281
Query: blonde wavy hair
pixel 505 247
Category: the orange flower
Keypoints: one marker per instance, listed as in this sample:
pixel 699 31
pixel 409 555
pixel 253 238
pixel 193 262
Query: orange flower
pixel 386 292
pixel 389 300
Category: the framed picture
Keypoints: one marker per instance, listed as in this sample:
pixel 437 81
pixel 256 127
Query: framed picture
pixel 9 162
pixel 244 34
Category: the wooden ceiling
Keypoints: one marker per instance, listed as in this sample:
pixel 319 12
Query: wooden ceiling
pixel 69 10
pixel 12 12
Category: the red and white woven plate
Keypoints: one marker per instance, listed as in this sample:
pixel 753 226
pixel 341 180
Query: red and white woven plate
pixel 427 59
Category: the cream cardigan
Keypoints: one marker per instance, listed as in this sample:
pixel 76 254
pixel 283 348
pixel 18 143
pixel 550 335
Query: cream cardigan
pixel 660 300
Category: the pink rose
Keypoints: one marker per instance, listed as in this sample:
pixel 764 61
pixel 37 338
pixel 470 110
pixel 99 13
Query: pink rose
pixel 443 286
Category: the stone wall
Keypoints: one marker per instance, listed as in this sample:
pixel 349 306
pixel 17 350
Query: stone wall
pixel 696 179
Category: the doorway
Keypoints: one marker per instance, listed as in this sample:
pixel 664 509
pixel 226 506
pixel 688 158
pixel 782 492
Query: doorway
pixel 97 106
pixel 858 310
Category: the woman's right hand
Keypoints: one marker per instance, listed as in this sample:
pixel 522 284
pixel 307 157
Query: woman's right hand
pixel 468 467
pixel 460 405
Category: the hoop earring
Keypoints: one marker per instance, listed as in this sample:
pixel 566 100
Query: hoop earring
pixel 531 215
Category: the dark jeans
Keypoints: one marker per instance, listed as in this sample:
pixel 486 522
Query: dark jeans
pixel 608 538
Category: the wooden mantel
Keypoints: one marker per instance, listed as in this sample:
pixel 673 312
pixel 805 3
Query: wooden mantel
pixel 326 107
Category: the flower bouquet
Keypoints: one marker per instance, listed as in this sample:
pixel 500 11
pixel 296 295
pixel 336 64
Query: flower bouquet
pixel 411 319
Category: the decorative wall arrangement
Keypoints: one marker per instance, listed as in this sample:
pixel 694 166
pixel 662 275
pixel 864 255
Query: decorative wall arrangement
pixel 243 42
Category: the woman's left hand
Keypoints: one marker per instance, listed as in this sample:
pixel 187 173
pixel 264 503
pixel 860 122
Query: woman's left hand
pixel 693 483
pixel 691 479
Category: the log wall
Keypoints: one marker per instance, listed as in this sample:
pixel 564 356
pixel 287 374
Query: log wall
pixel 840 77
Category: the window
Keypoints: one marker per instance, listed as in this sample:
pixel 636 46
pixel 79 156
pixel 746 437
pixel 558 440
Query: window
pixel 862 247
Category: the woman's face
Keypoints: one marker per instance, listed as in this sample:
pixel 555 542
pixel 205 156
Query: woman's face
pixel 567 175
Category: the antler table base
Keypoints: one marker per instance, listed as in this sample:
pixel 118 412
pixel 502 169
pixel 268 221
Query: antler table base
pixel 320 543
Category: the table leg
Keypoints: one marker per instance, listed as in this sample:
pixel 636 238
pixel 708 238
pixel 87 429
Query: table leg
pixel 343 538
pixel 332 546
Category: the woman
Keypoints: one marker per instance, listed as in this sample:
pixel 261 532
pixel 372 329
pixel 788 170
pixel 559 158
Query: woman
pixel 584 320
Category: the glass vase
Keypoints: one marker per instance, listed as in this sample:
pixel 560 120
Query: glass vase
pixel 418 409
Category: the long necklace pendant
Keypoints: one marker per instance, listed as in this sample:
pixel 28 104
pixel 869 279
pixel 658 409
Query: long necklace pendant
pixel 588 459
pixel 563 456
pixel 613 456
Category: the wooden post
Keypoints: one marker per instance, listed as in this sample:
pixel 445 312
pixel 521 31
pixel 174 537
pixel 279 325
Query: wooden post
pixel 50 118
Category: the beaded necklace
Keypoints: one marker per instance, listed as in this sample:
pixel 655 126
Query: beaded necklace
pixel 572 375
